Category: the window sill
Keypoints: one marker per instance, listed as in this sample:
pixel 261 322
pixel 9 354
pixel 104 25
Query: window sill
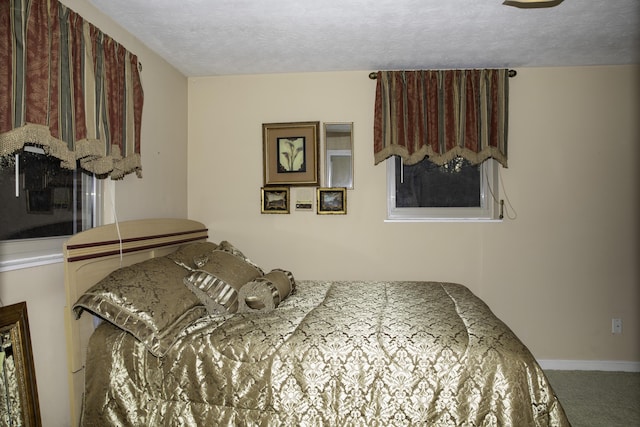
pixel 442 220
pixel 28 253
pixel 34 260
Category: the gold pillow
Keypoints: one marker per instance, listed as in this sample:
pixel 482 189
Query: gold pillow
pixel 192 255
pixel 228 247
pixel 216 283
pixel 267 292
pixel 147 299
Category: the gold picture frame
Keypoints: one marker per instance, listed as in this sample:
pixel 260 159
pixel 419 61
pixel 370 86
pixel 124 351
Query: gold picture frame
pixel 332 201
pixel 290 153
pixel 274 200
pixel 19 389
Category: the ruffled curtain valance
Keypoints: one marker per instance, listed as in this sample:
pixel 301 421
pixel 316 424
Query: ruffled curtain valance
pixel 441 114
pixel 69 88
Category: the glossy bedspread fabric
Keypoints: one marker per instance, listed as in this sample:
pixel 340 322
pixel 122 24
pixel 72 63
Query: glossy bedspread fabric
pixel 333 354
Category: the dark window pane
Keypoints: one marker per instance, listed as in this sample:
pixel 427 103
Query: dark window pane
pixel 48 201
pixel 427 185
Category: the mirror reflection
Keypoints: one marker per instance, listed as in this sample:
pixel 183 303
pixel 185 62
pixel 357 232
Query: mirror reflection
pixel 339 154
pixel 11 408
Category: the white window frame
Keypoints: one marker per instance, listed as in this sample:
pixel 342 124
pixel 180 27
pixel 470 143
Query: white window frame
pixel 489 210
pixel 27 253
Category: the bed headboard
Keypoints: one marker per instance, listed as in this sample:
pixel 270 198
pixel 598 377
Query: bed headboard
pixel 91 255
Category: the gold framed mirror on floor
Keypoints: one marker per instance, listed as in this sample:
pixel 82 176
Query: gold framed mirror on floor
pixel 18 391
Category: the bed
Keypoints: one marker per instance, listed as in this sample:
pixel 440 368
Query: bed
pixel 165 327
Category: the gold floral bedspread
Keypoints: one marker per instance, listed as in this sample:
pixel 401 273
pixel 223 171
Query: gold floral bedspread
pixel 333 354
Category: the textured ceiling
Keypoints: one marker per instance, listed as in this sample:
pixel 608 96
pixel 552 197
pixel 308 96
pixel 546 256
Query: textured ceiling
pixel 222 37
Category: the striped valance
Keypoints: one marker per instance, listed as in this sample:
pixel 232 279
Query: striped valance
pixel 441 114
pixel 69 88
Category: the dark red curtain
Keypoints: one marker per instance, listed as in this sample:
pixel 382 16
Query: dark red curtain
pixel 441 114
pixel 69 88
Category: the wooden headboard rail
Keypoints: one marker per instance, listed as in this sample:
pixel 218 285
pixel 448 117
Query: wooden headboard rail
pixel 91 255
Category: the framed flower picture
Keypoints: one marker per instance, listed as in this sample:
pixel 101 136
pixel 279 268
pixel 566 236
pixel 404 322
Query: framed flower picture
pixel 290 153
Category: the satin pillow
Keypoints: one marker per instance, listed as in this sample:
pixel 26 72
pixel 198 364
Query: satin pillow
pixel 148 300
pixel 267 292
pixel 216 283
pixel 193 255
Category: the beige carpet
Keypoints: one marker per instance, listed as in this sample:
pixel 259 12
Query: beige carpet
pixel 598 399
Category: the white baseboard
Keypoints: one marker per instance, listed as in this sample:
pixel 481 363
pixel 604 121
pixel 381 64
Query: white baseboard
pixel 590 365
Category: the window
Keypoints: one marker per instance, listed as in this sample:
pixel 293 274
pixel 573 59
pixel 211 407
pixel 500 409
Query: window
pixel 456 191
pixel 42 204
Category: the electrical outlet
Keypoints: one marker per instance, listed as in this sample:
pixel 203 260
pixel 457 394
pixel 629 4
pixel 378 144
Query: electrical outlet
pixel 616 326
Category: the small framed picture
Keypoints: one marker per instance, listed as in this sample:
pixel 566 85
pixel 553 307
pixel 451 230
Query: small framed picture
pixel 275 200
pixel 332 200
pixel 290 153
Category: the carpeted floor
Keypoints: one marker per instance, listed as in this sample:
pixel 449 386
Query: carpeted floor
pixel 597 398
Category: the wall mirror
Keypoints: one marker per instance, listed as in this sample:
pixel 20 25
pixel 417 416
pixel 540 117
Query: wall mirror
pixel 338 145
pixel 18 391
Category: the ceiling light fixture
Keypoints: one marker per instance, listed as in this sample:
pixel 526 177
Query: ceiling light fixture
pixel 530 4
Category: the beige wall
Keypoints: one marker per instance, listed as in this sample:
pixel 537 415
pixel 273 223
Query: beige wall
pixel 556 274
pixel 161 193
